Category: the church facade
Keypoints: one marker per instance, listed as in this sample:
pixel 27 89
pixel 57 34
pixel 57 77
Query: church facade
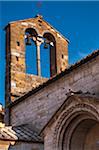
pixel 56 113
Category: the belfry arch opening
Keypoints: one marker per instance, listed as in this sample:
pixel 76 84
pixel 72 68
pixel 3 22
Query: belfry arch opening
pixel 48 55
pixel 30 53
pixel 40 53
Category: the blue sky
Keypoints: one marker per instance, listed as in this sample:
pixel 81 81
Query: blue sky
pixel 78 21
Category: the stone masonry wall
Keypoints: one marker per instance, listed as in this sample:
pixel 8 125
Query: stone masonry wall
pixel 22 83
pixel 12 145
pixel 17 81
pixel 26 146
pixel 38 108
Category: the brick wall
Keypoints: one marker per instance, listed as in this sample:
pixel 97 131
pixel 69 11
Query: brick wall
pixel 38 108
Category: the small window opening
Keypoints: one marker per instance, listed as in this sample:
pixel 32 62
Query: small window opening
pixel 40 21
pixel 62 56
pixel 17 58
pixel 18 43
pixel 40 24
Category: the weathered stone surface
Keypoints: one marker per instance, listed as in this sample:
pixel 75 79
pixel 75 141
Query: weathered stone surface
pixel 76 121
pixel 16 55
pixel 45 102
pixel 75 118
pixel 12 145
pixel 24 83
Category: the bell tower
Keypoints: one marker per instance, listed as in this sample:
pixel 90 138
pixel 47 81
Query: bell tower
pixel 25 33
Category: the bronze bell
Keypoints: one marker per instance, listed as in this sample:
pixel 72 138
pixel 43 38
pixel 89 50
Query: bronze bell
pixel 46 46
pixel 28 42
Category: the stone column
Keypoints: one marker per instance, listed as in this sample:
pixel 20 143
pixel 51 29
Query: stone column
pixel 38 58
pixel 39 41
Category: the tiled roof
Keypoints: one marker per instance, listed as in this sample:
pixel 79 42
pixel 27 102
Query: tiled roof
pixel 19 133
pixel 58 76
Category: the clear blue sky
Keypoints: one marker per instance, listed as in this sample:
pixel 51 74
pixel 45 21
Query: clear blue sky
pixel 78 21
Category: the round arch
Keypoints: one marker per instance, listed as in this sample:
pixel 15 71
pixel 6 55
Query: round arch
pixel 30 51
pixel 32 31
pixel 75 126
pixel 47 31
pixel 51 43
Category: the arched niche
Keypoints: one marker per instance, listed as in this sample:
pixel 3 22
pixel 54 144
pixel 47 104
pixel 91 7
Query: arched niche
pixel 31 54
pixel 48 55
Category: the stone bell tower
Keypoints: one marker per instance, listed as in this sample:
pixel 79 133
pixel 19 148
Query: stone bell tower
pixel 19 34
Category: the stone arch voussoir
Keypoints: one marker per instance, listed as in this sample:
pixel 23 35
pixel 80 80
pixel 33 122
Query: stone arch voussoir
pixel 82 111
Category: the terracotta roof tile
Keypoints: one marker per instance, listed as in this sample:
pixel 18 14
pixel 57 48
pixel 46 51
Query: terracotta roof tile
pixel 19 133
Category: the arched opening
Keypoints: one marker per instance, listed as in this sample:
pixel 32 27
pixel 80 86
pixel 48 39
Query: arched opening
pixel 92 138
pixel 85 136
pixel 48 56
pixel 31 54
pixel 78 130
pixel 45 61
pixel 80 134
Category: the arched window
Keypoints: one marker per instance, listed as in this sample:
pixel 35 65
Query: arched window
pixel 31 55
pixel 45 60
pixel 48 56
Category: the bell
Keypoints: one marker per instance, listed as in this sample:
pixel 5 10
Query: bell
pixel 46 46
pixel 28 42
